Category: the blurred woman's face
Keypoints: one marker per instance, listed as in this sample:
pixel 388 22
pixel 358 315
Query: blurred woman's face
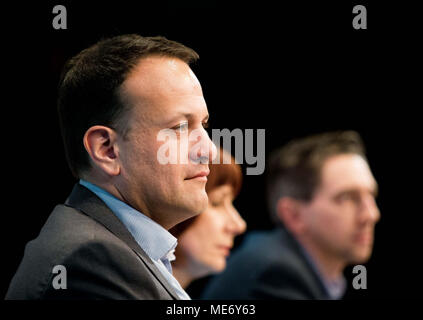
pixel 207 242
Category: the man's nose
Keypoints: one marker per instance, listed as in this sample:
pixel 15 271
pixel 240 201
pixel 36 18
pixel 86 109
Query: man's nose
pixel 203 150
pixel 369 210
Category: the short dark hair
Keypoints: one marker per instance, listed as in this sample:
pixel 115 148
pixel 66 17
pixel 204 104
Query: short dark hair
pixel 89 85
pixel 294 170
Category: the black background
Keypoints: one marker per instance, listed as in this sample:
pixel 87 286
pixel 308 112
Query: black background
pixel 292 69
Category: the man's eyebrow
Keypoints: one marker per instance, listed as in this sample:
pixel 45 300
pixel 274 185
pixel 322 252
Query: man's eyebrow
pixel 374 191
pixel 346 191
pixel 186 115
pixel 190 115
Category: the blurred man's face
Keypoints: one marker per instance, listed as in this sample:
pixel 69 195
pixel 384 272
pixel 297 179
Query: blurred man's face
pixel 164 94
pixel 341 217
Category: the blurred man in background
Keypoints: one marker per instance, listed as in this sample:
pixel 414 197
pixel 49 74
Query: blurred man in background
pixel 321 194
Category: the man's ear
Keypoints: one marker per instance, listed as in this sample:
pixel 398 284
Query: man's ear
pixel 100 143
pixel 289 212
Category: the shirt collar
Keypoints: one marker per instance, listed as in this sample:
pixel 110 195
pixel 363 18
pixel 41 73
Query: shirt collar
pixel 334 288
pixel 156 241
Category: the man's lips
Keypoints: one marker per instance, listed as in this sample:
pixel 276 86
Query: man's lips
pixel 364 238
pixel 200 176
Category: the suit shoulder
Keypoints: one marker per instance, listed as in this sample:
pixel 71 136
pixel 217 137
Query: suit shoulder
pixel 267 265
pixel 68 238
pixel 267 248
pixel 274 251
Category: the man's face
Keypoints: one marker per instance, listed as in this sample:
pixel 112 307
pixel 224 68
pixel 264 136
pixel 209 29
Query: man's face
pixel 164 94
pixel 341 217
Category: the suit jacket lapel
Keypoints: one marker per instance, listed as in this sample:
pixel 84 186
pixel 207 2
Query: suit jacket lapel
pixel 88 203
pixel 290 240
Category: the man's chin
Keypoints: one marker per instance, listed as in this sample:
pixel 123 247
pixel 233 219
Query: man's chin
pixel 197 203
pixel 202 205
pixel 361 256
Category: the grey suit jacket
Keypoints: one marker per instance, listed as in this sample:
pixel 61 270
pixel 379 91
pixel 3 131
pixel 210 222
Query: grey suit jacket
pixel 102 259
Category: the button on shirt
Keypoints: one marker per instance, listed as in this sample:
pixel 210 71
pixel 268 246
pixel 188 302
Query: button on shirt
pixel 156 241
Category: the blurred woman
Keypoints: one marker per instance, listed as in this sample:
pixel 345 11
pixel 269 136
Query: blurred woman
pixel 205 241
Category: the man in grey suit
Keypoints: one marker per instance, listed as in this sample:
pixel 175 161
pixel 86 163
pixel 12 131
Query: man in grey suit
pixel 109 240
pixel 321 193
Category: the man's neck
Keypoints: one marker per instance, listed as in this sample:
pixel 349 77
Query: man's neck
pixel 183 277
pixel 327 264
pixel 165 220
pixel 105 185
pixel 110 187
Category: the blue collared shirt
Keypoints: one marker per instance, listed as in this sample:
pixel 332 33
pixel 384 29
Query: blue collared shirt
pixel 334 288
pixel 156 241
